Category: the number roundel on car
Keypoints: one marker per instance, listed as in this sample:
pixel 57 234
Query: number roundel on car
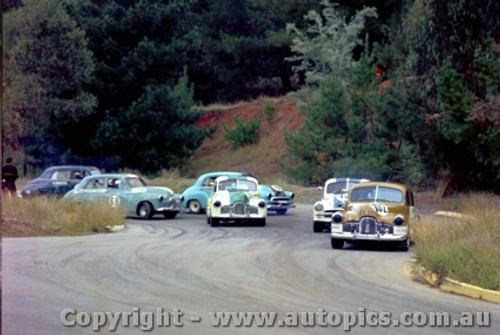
pixel 381 209
pixel 114 201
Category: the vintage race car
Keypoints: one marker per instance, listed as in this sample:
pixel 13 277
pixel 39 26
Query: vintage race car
pixel 195 197
pixel 236 199
pixel 375 211
pixel 334 197
pixel 57 180
pixel 276 198
pixel 128 191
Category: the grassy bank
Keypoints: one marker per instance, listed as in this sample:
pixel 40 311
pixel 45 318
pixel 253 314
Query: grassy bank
pixel 467 250
pixel 48 217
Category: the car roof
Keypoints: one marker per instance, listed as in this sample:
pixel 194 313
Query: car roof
pixel 114 175
pixel 399 186
pixel 242 177
pixel 355 180
pixel 70 167
pixel 222 173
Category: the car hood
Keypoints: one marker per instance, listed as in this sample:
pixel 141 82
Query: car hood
pixel 35 183
pixel 383 212
pixel 239 197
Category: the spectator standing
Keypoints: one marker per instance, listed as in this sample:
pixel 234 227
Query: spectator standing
pixel 9 176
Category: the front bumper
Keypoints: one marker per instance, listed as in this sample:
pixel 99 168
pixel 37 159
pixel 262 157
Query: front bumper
pixel 324 216
pixel 277 203
pixel 398 234
pixel 171 205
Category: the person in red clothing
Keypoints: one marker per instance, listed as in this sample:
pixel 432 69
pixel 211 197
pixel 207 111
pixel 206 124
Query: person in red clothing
pixel 9 176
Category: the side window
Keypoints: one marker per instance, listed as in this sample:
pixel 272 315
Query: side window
pixel 208 182
pixel 114 183
pixel 76 174
pixel 61 175
pixel 95 184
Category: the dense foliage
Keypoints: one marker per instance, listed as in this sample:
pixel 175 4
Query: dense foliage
pixel 437 112
pixel 115 82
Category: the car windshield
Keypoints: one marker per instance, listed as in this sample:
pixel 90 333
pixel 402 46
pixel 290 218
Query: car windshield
pixel 135 182
pixel 338 187
pixel 235 185
pixel 377 193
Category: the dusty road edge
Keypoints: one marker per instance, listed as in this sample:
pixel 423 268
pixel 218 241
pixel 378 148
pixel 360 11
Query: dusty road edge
pixel 421 274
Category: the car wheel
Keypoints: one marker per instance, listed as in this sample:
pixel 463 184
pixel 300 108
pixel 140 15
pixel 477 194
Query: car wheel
pixel 170 215
pixel 280 211
pixel 337 244
pixel 145 210
pixel 405 245
pixel 194 206
pixel 214 222
pixel 318 227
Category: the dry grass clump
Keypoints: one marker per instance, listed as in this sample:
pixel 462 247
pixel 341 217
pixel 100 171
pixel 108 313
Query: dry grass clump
pixel 42 216
pixel 468 249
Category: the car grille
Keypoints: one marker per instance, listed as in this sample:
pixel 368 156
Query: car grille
pixel 239 208
pixel 368 225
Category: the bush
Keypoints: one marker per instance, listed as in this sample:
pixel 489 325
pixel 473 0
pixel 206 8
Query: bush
pixel 43 216
pixel 269 110
pixel 244 133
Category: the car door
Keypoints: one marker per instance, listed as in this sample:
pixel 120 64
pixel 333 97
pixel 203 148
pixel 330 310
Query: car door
pixel 93 189
pixel 60 182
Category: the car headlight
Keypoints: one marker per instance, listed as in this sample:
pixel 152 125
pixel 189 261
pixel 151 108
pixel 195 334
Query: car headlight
pixel 262 204
pixel 217 203
pixel 318 207
pixel 337 218
pixel 399 220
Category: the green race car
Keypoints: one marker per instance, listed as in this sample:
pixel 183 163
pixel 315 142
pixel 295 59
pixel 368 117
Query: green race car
pixel 129 191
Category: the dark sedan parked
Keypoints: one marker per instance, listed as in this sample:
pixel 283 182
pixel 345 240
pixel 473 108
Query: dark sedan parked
pixel 57 180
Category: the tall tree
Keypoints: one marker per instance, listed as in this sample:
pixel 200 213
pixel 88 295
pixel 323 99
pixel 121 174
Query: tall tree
pixel 326 46
pixel 145 118
pixel 47 70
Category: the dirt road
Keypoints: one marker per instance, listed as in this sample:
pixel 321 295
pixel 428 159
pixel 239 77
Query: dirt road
pixel 177 276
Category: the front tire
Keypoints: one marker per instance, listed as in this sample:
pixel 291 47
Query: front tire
pixel 145 210
pixel 405 245
pixel 337 244
pixel 214 222
pixel 194 206
pixel 318 227
pixel 261 222
pixel 170 215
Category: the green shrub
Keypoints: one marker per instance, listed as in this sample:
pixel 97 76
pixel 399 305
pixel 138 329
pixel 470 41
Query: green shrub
pixel 269 110
pixel 244 133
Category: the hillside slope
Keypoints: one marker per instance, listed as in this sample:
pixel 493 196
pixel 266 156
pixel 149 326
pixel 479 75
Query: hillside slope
pixel 261 159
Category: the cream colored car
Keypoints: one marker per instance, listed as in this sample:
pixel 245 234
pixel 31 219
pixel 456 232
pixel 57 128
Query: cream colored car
pixel 334 198
pixel 236 199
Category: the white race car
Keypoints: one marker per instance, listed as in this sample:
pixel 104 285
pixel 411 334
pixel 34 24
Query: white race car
pixel 236 199
pixel 334 197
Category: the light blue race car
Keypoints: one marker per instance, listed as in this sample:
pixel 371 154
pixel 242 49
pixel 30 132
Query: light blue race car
pixel 195 197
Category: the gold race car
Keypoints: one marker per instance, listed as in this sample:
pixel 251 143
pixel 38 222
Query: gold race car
pixel 375 211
